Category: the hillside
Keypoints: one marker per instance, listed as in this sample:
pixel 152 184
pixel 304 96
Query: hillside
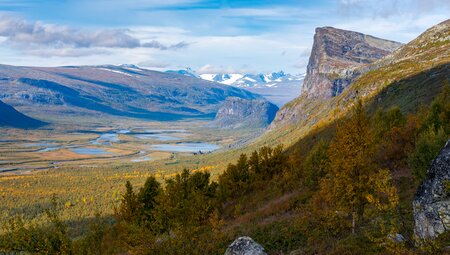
pixel 10 117
pixel 409 77
pixel 337 58
pixel 114 90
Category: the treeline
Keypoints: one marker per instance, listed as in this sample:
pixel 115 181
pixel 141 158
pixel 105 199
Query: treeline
pixel 347 195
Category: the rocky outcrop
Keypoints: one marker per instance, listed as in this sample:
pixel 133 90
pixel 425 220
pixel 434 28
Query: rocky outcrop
pixel 431 204
pixel 245 246
pixel 243 113
pixel 10 117
pixel 336 56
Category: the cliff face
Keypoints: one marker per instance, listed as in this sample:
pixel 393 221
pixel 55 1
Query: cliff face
pixel 10 117
pixel 337 57
pixel 242 113
pixel 431 204
pixel 410 76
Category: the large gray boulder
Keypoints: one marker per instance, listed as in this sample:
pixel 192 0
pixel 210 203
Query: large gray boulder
pixel 431 204
pixel 245 246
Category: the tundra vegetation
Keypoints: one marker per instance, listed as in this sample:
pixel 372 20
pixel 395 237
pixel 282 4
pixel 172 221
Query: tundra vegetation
pixel 346 188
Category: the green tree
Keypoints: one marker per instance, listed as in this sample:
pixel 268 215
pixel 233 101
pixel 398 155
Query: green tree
pixel 130 207
pixel 427 148
pixel 316 164
pixel 147 197
pixel 235 180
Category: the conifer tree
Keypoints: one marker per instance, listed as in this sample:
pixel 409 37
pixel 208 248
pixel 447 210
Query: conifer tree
pixel 130 207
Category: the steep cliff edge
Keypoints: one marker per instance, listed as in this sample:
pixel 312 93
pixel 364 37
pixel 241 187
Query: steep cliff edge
pixel 431 204
pixel 412 75
pixel 337 58
pixel 242 113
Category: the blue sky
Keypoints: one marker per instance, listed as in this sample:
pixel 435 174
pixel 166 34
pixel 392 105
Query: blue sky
pixel 207 35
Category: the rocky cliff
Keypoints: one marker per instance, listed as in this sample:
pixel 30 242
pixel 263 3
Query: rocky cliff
pixel 431 204
pixel 337 58
pixel 418 70
pixel 10 117
pixel 243 113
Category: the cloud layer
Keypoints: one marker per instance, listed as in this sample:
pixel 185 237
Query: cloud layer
pixel 207 35
pixel 21 34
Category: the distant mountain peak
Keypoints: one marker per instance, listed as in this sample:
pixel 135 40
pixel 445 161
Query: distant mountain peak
pixel 187 71
pixel 253 80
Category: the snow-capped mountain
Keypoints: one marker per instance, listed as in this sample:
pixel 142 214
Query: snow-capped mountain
pixel 188 72
pixel 254 80
pixel 278 87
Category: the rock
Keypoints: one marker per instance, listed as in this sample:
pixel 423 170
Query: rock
pixel 245 246
pixel 431 204
pixel 335 57
pixel 398 238
pixel 243 113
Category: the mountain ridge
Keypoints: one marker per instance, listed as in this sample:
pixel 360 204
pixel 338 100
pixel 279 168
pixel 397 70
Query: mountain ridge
pixel 418 69
pixel 114 90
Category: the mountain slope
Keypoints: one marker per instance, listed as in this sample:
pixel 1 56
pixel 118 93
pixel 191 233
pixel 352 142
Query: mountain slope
pixel 10 117
pixel 412 75
pixel 114 90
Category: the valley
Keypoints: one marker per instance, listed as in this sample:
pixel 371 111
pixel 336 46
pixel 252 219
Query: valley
pixel 350 156
pixel 122 141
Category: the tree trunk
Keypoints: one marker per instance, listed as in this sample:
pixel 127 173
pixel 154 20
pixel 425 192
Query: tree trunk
pixel 353 222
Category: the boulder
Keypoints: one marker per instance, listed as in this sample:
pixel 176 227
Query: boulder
pixel 431 204
pixel 245 246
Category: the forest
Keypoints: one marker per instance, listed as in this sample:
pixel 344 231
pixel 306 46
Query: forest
pixel 346 188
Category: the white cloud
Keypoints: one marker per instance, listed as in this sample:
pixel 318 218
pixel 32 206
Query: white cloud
pixel 20 33
pixel 207 69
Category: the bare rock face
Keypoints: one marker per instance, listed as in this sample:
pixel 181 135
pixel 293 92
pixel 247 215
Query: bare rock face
pixel 242 113
pixel 431 204
pixel 335 57
pixel 245 246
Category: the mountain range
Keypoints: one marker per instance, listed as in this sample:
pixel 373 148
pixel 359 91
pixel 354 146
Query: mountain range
pixel 127 90
pixel 277 87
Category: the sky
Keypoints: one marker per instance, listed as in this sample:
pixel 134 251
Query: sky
pixel 209 36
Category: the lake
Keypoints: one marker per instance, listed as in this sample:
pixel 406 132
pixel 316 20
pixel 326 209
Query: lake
pixel 185 147
pixel 90 151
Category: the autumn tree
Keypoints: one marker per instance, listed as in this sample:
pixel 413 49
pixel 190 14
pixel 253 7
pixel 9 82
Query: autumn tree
pixel 351 155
